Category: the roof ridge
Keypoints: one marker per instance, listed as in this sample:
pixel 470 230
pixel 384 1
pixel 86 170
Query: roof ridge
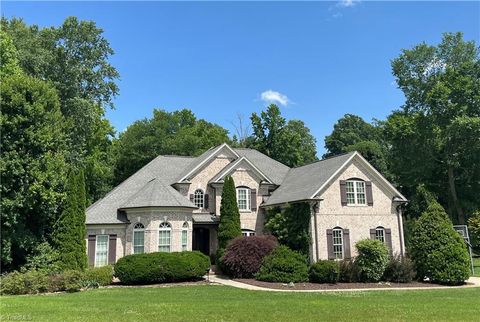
pixel 326 159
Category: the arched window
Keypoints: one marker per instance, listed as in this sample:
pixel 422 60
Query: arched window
pixel 337 236
pixel 184 236
pixel 164 237
pixel 248 232
pixel 380 234
pixel 355 189
pixel 243 198
pixel 199 198
pixel 138 238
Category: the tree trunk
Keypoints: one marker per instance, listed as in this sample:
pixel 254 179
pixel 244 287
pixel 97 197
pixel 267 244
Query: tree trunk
pixel 453 194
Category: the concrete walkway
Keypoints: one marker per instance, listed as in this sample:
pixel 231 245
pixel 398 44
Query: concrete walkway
pixel 472 282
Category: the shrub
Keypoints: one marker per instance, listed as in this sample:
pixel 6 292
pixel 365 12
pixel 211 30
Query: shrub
pixel 324 271
pixel 99 276
pixel 28 282
pixel 68 281
pixel 474 230
pixel 244 255
pixel 372 259
pixel 283 265
pixel 399 270
pixel 348 271
pixel 44 259
pixel 161 267
pixel 438 251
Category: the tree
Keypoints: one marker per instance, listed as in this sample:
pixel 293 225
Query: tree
pixel 439 118
pixel 352 133
pixel 229 226
pixel 74 58
pixel 290 143
pixel 178 132
pixel 32 165
pixel 438 251
pixel 291 226
pixel 69 231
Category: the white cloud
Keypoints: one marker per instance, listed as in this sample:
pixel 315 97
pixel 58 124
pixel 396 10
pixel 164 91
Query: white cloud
pixel 274 97
pixel 347 3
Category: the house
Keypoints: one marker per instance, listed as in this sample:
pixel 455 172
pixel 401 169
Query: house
pixel 173 204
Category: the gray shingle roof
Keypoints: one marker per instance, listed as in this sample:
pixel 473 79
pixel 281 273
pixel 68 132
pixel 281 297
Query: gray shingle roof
pixel 164 168
pixel 156 194
pixel 273 169
pixel 302 182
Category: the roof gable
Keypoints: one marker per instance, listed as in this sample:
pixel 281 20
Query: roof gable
pixel 235 165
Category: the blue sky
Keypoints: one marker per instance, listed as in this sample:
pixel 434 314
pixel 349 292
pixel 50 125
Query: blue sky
pixel 320 60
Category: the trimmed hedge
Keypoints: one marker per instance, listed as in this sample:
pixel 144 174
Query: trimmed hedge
pixel 150 268
pixel 99 276
pixel 324 271
pixel 372 259
pixel 439 253
pixel 283 265
pixel 244 255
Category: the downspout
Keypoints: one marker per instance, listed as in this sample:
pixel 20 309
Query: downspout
pixel 400 229
pixel 315 208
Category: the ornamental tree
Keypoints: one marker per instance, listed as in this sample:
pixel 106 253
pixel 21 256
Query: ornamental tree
pixel 229 226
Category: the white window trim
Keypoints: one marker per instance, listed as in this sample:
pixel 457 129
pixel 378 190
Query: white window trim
pixel 136 230
pixel 96 247
pixel 202 201
pixel 169 229
pixel 336 244
pixel 248 199
pixel 383 234
pixel 184 231
pixel 248 232
pixel 355 193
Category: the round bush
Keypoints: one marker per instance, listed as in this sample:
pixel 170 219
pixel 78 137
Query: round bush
pixel 324 271
pixel 438 251
pixel 283 265
pixel 399 270
pixel 372 259
pixel 244 255
pixel 159 267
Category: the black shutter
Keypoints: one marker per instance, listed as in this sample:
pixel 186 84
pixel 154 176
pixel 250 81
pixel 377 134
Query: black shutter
pixel 112 249
pixel 388 240
pixel 253 199
pixel 346 244
pixel 191 197
pixel 205 204
pixel 330 244
pixel 91 250
pixel 373 233
pixel 368 190
pixel 343 192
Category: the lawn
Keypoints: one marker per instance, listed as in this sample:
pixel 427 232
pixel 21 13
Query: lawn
pixel 221 303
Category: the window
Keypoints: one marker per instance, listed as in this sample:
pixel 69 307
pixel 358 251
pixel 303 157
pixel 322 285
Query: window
pixel 199 198
pixel 248 232
pixel 380 234
pixel 138 238
pixel 243 198
pixel 337 235
pixel 164 237
pixel 355 192
pixel 101 251
pixel 184 236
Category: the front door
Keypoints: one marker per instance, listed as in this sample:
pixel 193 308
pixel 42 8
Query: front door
pixel 201 240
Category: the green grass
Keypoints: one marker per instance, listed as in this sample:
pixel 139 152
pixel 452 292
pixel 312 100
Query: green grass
pixel 221 303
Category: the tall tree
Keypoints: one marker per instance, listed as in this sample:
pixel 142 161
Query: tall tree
pixel 32 165
pixel 432 138
pixel 229 226
pixel 178 132
pixel 74 58
pixel 69 230
pixel 290 143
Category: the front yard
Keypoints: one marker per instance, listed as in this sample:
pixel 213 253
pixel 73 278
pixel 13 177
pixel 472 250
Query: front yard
pixel 221 303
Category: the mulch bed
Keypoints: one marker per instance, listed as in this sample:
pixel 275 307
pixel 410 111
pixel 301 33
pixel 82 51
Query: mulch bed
pixel 338 286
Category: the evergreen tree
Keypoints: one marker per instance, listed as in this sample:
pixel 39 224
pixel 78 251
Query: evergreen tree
pixel 229 226
pixel 69 231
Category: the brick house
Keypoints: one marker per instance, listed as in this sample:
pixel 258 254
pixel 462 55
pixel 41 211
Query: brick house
pixel 173 204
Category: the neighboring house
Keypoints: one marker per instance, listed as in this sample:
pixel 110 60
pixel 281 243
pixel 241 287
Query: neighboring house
pixel 173 204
